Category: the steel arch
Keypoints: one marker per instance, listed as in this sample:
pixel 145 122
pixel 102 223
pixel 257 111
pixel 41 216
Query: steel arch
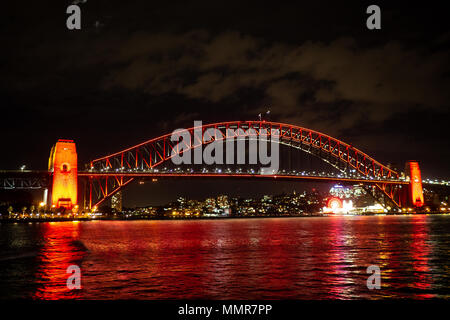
pixel 145 156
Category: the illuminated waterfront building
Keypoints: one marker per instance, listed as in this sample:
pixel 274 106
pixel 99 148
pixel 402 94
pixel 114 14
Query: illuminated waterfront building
pixel 210 204
pixel 222 202
pixel 116 202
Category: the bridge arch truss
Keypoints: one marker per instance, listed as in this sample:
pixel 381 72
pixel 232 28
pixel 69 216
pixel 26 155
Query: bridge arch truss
pixel 111 173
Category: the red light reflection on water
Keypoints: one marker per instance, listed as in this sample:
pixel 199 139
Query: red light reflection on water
pixel 420 251
pixel 299 258
pixel 60 250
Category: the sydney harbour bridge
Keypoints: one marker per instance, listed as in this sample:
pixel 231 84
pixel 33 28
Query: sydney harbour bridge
pixel 70 185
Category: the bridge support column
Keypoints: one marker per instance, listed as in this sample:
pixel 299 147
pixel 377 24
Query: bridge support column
pixel 45 196
pixel 415 185
pixel 63 164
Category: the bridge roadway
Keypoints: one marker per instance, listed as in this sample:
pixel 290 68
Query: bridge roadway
pixel 36 179
pixel 280 176
pixel 24 179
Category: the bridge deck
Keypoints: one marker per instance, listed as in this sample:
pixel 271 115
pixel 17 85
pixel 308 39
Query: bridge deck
pixel 11 178
pixel 237 175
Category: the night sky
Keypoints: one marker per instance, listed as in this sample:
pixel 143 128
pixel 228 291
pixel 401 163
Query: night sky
pixel 139 69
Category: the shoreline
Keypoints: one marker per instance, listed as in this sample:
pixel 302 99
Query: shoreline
pixel 32 220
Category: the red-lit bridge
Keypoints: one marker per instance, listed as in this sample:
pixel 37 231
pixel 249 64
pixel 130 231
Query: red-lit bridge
pixel 105 176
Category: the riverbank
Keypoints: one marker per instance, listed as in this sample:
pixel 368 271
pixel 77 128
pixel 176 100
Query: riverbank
pixel 31 220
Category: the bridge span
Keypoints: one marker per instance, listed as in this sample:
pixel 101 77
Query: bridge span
pixel 279 176
pixel 108 175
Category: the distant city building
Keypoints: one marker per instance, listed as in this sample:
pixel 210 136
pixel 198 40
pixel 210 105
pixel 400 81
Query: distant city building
pixel 181 202
pixel 210 204
pixel 222 202
pixel 347 192
pixel 116 201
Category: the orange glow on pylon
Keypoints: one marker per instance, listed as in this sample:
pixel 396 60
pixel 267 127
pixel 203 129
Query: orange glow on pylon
pixel 416 191
pixel 63 164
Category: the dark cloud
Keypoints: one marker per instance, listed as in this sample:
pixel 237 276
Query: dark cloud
pixel 377 82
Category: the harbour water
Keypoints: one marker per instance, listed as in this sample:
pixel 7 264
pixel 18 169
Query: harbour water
pixel 269 258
